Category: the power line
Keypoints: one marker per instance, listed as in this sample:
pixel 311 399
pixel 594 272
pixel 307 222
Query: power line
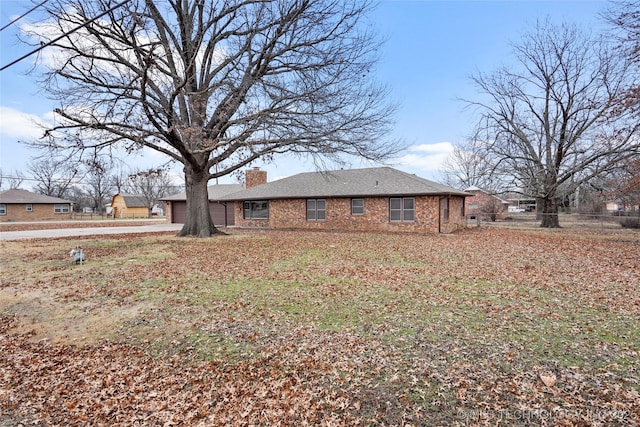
pixel 64 35
pixel 24 14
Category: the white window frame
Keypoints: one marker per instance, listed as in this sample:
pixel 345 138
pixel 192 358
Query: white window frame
pixel 315 213
pixel 357 210
pixel 61 208
pixel 402 213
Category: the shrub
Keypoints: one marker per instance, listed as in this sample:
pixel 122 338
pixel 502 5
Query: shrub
pixel 630 222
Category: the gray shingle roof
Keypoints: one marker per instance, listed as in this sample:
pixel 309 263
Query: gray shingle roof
pixel 24 196
pixel 370 182
pixel 134 200
pixel 215 192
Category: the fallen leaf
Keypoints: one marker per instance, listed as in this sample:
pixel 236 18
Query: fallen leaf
pixel 548 378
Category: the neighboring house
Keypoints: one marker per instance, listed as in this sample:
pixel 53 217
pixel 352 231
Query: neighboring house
pixel 129 206
pixel 620 206
pixel 221 213
pixel 22 205
pixel 373 199
pixel 482 203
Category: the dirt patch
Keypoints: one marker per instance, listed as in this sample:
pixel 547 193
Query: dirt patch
pixel 85 322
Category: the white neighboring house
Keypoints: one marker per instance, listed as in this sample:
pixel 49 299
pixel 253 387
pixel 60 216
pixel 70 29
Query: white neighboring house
pixel 157 211
pixel 618 206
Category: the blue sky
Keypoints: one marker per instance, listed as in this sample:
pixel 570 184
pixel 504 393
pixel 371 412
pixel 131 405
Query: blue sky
pixel 432 48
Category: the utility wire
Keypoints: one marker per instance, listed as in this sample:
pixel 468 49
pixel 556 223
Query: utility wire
pixel 64 35
pixel 24 14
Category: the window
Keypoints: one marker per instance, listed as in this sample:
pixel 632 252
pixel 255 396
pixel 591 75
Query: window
pixel 402 209
pixel 61 208
pixel 29 207
pixel 3 209
pixel 316 209
pixel 445 209
pixel 357 206
pixel 256 210
pixel 462 212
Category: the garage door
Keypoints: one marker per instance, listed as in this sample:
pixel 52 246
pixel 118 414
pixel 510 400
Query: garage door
pixel 216 210
pixel 178 212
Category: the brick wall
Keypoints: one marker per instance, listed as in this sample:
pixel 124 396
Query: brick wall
pixel 456 219
pixel 482 202
pixel 168 211
pixel 292 214
pixel 255 177
pixel 40 212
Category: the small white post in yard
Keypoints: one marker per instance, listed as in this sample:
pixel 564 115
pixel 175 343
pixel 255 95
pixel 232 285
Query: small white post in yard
pixel 77 255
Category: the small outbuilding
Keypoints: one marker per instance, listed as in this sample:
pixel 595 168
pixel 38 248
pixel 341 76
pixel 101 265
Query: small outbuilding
pixel 23 205
pixel 129 206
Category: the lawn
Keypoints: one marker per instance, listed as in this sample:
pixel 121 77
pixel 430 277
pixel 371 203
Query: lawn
pixel 486 327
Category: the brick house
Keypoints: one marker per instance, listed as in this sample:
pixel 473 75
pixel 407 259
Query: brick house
pixel 22 205
pixel 221 213
pixel 481 203
pixel 372 199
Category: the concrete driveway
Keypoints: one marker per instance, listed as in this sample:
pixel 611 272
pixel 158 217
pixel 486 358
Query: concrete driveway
pixel 87 231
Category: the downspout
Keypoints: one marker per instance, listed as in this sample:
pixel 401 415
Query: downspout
pixel 226 225
pixel 440 215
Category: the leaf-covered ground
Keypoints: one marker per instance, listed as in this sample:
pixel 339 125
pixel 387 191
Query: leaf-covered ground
pixel 485 327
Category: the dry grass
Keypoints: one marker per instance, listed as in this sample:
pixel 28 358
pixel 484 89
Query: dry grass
pixel 490 326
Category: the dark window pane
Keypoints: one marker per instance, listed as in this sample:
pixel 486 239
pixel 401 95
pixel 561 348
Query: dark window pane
pixel 311 209
pixel 408 203
pixel 357 206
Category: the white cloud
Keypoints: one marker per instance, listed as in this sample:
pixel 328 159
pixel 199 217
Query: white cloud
pixel 426 157
pixel 438 147
pixel 20 125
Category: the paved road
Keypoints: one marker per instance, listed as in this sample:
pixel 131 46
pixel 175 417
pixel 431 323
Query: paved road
pixel 87 231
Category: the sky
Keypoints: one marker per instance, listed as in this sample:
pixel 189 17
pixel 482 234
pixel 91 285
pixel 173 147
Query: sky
pixel 431 50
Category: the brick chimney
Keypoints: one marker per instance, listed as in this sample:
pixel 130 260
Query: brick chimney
pixel 255 177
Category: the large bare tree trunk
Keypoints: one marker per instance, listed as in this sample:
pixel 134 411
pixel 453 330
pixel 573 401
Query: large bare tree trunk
pixel 549 213
pixel 198 222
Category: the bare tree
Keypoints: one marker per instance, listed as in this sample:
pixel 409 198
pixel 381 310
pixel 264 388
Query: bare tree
pixel 12 181
pixel 98 185
pixel 216 85
pixel 151 184
pixel 53 176
pixel 624 16
pixel 624 184
pixel 471 165
pixel 560 119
